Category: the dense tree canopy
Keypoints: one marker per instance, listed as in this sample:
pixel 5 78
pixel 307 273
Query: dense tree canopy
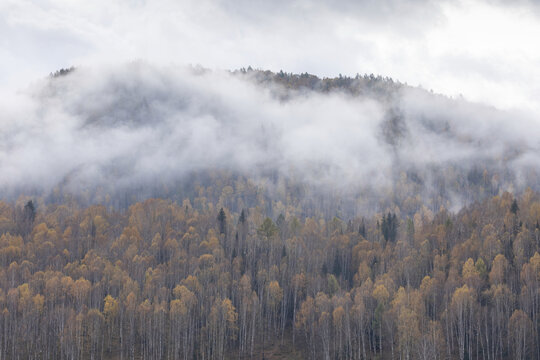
pixel 212 280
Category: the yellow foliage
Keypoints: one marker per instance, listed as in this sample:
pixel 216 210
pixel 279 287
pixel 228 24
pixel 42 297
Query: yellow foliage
pixel 381 294
pixel 275 293
pixel 469 270
pixel 110 308
pixel 38 301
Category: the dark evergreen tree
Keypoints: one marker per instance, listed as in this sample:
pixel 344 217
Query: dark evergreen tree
pixel 336 268
pixel 389 227
pixel 29 212
pixel 242 218
pixel 26 220
pixel 222 219
pixel 362 229
pixel 514 208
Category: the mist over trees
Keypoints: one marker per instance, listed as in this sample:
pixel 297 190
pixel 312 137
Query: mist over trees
pixel 138 131
pixel 252 214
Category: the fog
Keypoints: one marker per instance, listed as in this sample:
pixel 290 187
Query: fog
pixel 136 124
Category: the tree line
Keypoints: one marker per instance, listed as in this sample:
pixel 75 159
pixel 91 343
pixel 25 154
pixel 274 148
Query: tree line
pixel 195 279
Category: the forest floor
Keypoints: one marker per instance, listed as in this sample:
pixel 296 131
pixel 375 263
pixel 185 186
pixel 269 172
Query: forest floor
pixel 275 350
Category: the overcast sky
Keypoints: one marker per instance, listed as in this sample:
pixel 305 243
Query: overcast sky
pixel 486 50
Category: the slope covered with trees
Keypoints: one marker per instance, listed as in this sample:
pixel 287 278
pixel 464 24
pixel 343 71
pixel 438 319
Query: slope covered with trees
pixel 194 279
pixel 253 214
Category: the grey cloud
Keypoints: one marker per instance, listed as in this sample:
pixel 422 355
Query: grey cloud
pixel 122 126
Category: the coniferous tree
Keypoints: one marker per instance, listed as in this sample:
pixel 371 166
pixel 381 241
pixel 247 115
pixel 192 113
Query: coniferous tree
pixel 222 220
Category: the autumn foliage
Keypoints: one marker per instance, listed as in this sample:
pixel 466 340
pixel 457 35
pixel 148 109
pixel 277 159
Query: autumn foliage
pixel 172 280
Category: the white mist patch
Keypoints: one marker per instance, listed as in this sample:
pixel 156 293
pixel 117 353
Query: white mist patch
pixel 136 124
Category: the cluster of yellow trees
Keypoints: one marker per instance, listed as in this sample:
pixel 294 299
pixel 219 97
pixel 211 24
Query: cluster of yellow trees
pixel 164 280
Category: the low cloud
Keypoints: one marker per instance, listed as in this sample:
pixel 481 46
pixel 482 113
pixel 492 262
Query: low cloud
pixel 141 125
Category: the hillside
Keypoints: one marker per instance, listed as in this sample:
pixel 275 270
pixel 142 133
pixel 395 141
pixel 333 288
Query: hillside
pixel 168 280
pixel 181 213
pixel 359 145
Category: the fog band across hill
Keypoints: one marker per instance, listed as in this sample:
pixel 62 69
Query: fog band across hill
pixel 138 125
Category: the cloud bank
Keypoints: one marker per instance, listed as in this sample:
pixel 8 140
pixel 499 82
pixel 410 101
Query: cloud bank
pixel 138 124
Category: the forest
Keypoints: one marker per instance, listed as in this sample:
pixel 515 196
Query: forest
pixel 213 278
pixel 270 180
pixel 292 218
